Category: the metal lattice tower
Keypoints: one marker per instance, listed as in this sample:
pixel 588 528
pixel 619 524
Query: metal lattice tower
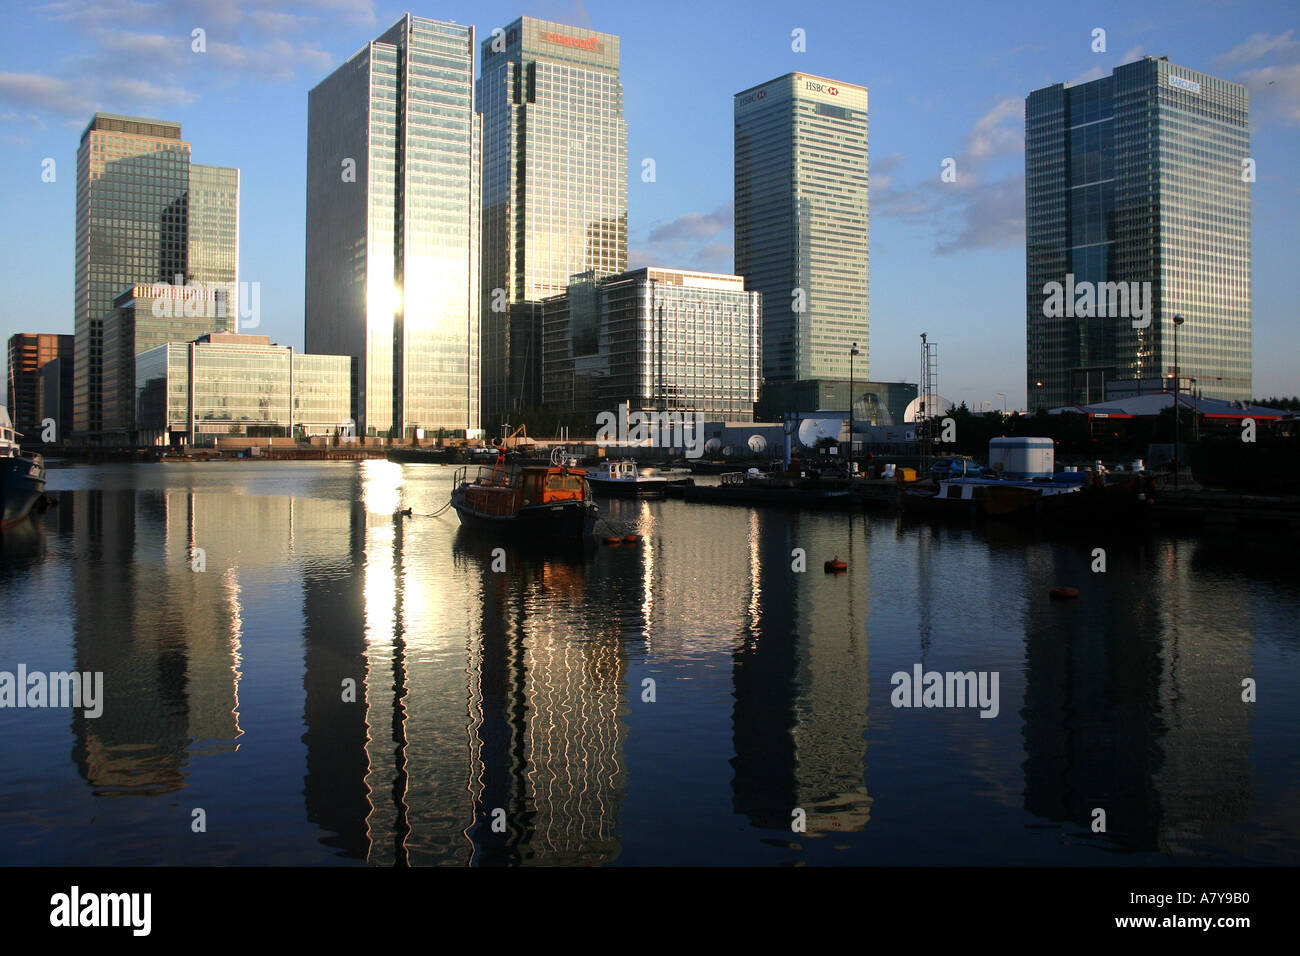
pixel 929 395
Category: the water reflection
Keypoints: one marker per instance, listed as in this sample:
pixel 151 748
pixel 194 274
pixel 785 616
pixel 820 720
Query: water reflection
pixel 460 711
pixel 165 637
pixel 1136 706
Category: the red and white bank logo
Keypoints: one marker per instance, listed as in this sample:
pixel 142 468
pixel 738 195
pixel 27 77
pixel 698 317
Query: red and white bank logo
pixel 821 88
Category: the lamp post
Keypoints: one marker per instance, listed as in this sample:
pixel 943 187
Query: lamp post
pixel 852 352
pixel 1178 320
pixel 1004 403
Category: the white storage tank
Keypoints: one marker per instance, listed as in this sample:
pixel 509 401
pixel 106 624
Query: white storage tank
pixel 1023 457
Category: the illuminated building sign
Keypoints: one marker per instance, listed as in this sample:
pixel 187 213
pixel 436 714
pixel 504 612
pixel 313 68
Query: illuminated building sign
pixel 1189 85
pixel 590 43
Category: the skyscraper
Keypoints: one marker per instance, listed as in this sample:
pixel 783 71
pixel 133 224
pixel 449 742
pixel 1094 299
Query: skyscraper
pixel 801 222
pixel 393 227
pixel 144 214
pixel 554 189
pixel 1136 183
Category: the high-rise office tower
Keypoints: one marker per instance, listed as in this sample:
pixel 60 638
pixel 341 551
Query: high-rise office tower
pixel 554 189
pixel 1137 209
pixel 144 214
pixel 393 227
pixel 801 222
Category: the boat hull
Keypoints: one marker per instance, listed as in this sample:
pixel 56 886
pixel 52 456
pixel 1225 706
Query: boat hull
pixel 624 488
pixel 422 456
pixel 562 520
pixel 22 485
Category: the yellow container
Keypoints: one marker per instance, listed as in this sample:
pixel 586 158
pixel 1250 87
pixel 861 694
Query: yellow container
pixel 907 474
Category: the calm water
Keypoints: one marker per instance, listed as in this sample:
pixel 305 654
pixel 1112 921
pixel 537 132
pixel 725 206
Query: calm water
pixel 523 689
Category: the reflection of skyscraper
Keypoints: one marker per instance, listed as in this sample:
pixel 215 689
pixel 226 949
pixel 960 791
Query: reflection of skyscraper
pixel 392 227
pixel 165 637
pixel 1141 717
pixel 801 688
pixel 334 789
pixel 550 724
pixel 554 188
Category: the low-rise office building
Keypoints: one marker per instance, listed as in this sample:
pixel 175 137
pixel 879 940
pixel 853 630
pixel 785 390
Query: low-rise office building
pixel 144 317
pixel 657 339
pixel 231 384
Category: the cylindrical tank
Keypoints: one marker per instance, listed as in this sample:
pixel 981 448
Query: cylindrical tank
pixel 1023 457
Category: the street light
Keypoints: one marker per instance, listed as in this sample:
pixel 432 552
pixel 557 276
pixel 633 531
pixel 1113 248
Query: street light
pixel 852 352
pixel 1178 320
pixel 1004 403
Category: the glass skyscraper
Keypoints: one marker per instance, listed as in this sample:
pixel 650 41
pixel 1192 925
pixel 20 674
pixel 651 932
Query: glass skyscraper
pixel 801 222
pixel 144 214
pixel 554 189
pixel 1138 177
pixel 393 176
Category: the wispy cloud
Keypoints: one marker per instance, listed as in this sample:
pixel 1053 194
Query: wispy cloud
pixel 1275 91
pixel 697 240
pixel 1256 47
pixel 254 40
pixel 984 207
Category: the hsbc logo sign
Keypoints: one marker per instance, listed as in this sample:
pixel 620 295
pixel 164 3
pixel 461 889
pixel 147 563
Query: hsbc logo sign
pixel 821 88
pixel 752 98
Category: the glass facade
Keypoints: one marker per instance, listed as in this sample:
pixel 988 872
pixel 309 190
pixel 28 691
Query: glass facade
pixel 213 240
pixel 134 225
pixel 143 318
pixel 658 339
pixel 28 403
pixel 1137 178
pixel 241 385
pixel 554 188
pixel 801 222
pixel 393 176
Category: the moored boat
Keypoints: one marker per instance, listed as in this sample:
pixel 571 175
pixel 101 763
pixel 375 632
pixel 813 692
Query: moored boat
pixel 1003 498
pixel 622 479
pixel 547 500
pixel 22 476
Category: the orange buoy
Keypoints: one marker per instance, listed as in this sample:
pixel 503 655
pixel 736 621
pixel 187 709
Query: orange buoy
pixel 1063 593
pixel 836 566
pixel 613 540
pixel 631 538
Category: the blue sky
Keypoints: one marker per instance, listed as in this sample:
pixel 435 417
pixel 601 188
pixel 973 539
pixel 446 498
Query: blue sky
pixel 945 80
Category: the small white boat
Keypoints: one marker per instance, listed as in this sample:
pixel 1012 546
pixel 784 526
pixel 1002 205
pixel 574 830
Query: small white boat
pixel 622 479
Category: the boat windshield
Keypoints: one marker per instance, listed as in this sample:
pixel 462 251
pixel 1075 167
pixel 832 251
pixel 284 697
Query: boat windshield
pixel 564 482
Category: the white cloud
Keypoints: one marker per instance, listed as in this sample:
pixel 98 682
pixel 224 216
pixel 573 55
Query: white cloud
pixel 1275 91
pixel 1256 47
